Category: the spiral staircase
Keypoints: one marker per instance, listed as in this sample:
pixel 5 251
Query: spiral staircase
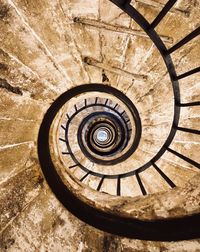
pixel 99 139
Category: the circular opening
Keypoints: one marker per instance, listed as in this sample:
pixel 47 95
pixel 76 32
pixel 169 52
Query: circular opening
pixel 102 135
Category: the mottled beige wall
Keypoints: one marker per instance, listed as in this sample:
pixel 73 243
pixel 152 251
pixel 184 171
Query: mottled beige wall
pixel 47 47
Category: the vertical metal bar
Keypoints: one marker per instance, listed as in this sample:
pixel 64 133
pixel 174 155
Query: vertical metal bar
pixel 115 105
pixel 190 161
pixel 193 131
pixel 122 3
pixel 118 186
pixel 100 183
pixel 184 75
pixel 72 166
pixel 162 14
pixel 185 40
pixel 164 176
pixel 63 140
pixel 140 184
pixel 66 153
pixel 63 127
pixel 85 176
pixel 189 104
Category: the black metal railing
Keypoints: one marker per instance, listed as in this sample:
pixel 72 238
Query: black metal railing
pixel 163 230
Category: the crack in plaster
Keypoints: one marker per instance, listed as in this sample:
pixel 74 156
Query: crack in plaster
pixel 9 88
pixel 44 47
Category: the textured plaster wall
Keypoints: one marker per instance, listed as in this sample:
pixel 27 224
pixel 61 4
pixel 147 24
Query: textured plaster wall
pixel 47 47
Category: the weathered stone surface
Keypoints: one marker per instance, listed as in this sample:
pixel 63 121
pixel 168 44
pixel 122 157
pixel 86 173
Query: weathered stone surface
pixel 19 158
pixel 21 108
pixel 18 192
pixel 47 47
pixel 24 131
pixel 45 226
